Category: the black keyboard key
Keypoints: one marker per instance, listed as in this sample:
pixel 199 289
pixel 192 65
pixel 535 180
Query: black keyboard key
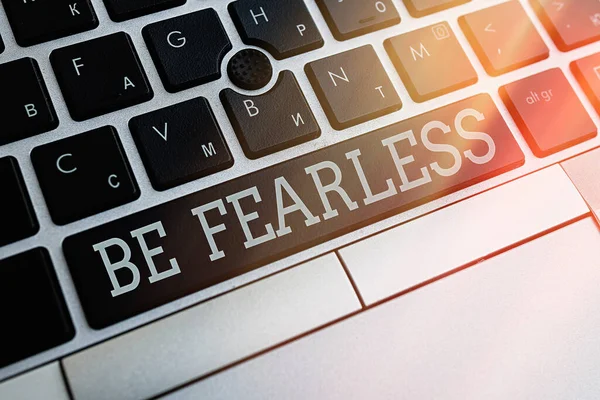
pixel 83 175
pixel 26 106
pixel 503 37
pixel 180 143
pixel 100 76
pixel 351 18
pixel 122 10
pixel 571 23
pixel 548 112
pixel 155 256
pixel 17 214
pixel 587 72
pixel 353 87
pixel 273 121
pixel 422 58
pixel 188 50
pixel 1 45
pixel 284 28
pixel 421 8
pixel 34 315
pixel 39 21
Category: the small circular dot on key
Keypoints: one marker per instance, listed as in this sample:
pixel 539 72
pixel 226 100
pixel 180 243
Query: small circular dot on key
pixel 250 69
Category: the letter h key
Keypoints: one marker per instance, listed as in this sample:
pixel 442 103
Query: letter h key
pixel 284 28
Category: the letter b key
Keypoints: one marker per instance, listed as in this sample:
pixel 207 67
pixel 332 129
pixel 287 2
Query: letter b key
pixel 26 107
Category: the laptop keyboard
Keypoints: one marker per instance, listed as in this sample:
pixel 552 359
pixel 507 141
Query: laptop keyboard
pixel 305 208
pixel 209 141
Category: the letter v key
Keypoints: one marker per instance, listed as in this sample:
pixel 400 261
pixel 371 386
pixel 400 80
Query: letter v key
pixel 162 134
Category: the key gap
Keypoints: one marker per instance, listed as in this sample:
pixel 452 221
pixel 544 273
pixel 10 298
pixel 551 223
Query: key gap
pixel 351 279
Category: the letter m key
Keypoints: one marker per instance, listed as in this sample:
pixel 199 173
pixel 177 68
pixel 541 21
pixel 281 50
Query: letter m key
pixel 209 150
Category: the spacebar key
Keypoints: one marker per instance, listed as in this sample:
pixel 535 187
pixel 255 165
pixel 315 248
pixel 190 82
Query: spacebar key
pixel 157 255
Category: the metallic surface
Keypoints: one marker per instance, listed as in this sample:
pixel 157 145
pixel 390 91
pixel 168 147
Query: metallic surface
pixel 211 335
pixel 400 258
pixel 43 383
pixel 584 171
pixel 522 325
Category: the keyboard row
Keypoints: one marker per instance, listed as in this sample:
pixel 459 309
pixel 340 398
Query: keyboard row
pixel 89 173
pixel 571 23
pixel 104 74
pixel 37 22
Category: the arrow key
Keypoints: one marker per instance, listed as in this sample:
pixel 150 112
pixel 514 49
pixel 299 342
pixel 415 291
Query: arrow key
pixel 503 38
